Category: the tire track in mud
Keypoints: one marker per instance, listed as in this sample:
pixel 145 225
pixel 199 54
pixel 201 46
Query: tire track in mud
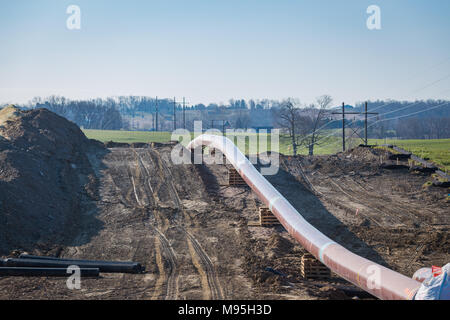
pixel 327 198
pixel 341 190
pixel 200 258
pixel 169 180
pixel 162 271
pixel 160 173
pixel 130 202
pixel 390 211
pixel 171 274
pixel 408 211
pixel 164 249
pixel 113 172
pixel 353 199
pixel 166 260
pixel 399 205
pixel 399 210
pixel 211 275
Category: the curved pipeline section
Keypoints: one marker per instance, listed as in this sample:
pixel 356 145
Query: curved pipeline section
pixel 369 276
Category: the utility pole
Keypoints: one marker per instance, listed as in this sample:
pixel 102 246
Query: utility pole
pixel 174 114
pixel 343 113
pixel 343 126
pixel 366 139
pixel 343 123
pixel 184 113
pixel 365 125
pixel 156 124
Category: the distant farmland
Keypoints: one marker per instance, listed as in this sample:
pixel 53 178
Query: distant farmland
pixel 329 145
pixel 436 150
pixel 127 136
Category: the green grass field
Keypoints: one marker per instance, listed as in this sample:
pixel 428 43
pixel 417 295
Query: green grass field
pixel 436 150
pixel 329 145
pixel 127 136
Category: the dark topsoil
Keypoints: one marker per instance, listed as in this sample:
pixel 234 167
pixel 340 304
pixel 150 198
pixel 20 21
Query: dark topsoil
pixel 44 173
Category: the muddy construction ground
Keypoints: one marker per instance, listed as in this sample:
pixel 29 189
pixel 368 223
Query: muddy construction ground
pixel 195 235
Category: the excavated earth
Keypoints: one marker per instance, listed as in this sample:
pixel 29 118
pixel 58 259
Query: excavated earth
pixel 64 195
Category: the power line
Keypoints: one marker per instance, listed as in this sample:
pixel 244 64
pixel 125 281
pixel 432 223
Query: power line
pixel 417 102
pixel 415 91
pixel 394 118
pixel 410 114
pixel 433 66
pixel 384 105
pixel 343 113
pixel 433 83
pixel 396 110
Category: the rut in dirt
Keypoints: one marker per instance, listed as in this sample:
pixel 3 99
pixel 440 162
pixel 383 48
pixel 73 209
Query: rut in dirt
pixel 207 269
pixel 143 194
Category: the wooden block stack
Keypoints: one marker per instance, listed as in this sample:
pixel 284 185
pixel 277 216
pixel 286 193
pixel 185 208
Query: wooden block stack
pixel 234 178
pixel 311 268
pixel 266 218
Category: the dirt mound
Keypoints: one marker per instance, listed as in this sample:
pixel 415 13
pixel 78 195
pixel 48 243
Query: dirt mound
pixel 366 154
pixel 332 293
pixel 279 245
pixel 357 161
pixel 44 170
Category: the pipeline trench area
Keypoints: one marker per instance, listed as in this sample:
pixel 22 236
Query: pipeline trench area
pixel 198 238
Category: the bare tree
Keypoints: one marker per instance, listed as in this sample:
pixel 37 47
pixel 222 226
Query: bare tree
pixel 287 117
pixel 311 121
pixel 242 120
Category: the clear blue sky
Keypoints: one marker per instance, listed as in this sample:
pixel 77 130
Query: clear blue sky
pixel 211 50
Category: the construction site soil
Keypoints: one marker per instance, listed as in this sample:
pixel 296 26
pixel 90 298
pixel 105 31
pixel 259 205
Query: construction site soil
pixel 64 195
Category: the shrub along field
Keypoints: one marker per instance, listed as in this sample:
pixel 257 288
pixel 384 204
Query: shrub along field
pixel 437 151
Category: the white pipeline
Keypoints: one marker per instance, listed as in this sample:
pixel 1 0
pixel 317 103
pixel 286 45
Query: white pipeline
pixel 369 276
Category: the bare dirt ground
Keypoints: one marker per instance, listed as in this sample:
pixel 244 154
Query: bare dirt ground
pixel 388 216
pixel 192 231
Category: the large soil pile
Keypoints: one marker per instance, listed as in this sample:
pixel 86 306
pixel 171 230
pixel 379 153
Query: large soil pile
pixel 44 172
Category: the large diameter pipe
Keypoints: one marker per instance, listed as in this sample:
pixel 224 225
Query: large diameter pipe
pixel 45 272
pixel 29 256
pixel 104 267
pixel 379 281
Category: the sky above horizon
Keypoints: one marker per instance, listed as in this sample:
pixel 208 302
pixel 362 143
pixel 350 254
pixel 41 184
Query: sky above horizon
pixel 213 51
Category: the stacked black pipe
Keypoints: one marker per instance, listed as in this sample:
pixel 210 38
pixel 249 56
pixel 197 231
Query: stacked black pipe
pixel 29 265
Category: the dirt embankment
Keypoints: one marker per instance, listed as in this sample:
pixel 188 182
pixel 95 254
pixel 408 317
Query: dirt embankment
pixel 44 173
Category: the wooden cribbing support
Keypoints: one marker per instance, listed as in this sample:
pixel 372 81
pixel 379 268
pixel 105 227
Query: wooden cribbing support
pixel 234 178
pixel 266 218
pixel 311 268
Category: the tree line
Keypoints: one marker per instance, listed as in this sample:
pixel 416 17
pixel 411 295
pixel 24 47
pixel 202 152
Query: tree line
pixel 303 123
